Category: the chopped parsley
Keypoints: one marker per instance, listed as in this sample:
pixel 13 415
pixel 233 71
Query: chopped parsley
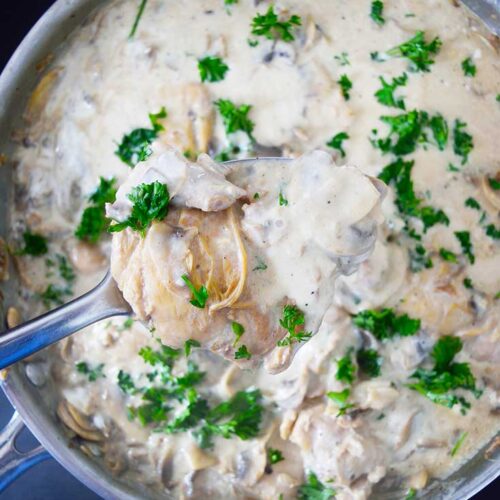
pixel 274 456
pixel 282 200
pixel 135 147
pixel 188 346
pixel 419 52
pixel 385 95
pixel 336 142
pixel 238 330
pixel 464 238
pixel 242 353
pixel 345 86
pixel 448 255
pixel 439 128
pixel 411 494
pixel 467 282
pixel 212 69
pixel 150 203
pixel 260 265
pixel 419 259
pixel 463 142
pixel 235 118
pixel 468 67
pixel 34 244
pixel 472 203
pixel 343 59
pixel 369 362
pixel 494 184
pixel 377 11
pixel 292 321
pixel 239 416
pixel 125 383
pixel 386 324
pixel 199 296
pixel 269 26
pixel 314 489
pixel 346 370
pixel 458 443
pixel 92 373
pixel 492 231
pixel 65 270
pixel 53 295
pixel 340 399
pixel 138 16
pixel 446 376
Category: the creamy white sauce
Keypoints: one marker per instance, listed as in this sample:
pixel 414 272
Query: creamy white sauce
pixel 102 85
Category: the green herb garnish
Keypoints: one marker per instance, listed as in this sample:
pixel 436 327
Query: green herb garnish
pixel 385 95
pixel 260 265
pixel 340 399
pixel 467 282
pixel 269 26
pixel 336 142
pixel 377 11
pixel 343 59
pixel 212 69
pixel 92 373
pixel 199 296
pixel 463 142
pixel 53 295
pixel 472 203
pixel 468 67
pixel 492 231
pixel 242 353
pixel 345 86
pixel 135 147
pixel 369 362
pixel 494 184
pixel 126 383
pixel 346 370
pixel 235 118
pixel 386 324
pixel 465 242
pixel 274 456
pixel 446 376
pixel 138 16
pixel 411 494
pixel 283 202
pixel 150 203
pixel 238 330
pixel 458 443
pixel 313 489
pixel 448 255
pixel 292 321
pixel 189 344
pixel 34 244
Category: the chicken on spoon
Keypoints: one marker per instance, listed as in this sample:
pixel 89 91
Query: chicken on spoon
pixel 240 262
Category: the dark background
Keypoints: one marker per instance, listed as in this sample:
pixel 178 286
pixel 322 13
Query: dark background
pixel 48 480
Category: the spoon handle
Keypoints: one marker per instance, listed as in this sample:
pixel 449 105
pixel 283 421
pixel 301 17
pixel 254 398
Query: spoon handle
pixel 103 301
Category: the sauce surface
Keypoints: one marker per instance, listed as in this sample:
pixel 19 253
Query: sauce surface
pixel 353 407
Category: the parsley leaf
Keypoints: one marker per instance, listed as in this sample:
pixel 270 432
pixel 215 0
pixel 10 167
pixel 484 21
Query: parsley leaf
pixel 53 295
pixel 464 238
pixel 260 265
pixel 212 69
pixel 343 59
pixel 336 142
pixel 472 203
pixel 377 11
pixel 463 142
pixel 418 51
pixel 34 244
pixel 494 184
pixel 283 202
pixel 135 147
pixel 268 25
pixel 238 330
pixel 313 489
pixel 345 86
pixel 274 456
pixel 93 221
pixel 150 203
pixel 346 369
pixel 438 383
pixel 235 118
pixel 467 282
pixel 458 443
pixel 448 255
pixel 492 231
pixel 292 321
pixel 369 362
pixel 468 67
pixel 138 16
pixel 386 324
pixel 189 344
pixel 439 128
pixel 385 95
pixel 126 383
pixel 340 399
pixel 92 373
pixel 411 494
pixel 242 353
pixel 200 296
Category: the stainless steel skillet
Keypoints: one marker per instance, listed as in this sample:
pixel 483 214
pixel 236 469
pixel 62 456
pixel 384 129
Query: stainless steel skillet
pixel 16 82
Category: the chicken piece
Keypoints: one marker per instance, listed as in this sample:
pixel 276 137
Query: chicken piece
pixel 252 257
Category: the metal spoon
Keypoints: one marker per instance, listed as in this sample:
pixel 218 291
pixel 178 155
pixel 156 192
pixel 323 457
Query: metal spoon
pixel 102 302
